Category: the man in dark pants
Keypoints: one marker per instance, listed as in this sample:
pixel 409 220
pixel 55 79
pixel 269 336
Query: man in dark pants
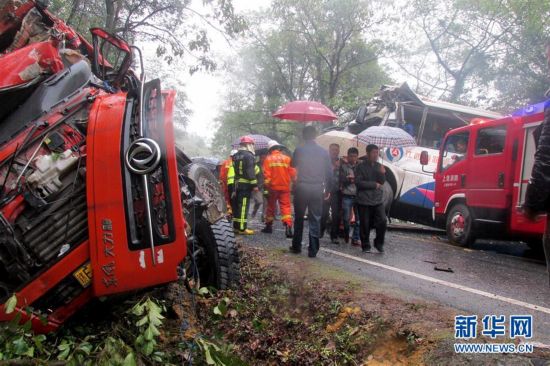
pixel 314 182
pixel 349 194
pixel 333 205
pixel 245 183
pixel 369 178
pixel 537 197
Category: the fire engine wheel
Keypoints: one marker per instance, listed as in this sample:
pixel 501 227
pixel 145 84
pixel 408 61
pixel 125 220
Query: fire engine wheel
pixel 535 244
pixel 217 258
pixel 460 230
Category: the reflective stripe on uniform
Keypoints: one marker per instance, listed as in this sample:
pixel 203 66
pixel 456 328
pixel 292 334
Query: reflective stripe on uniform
pixel 243 214
pixel 283 165
pixel 243 180
pixel 231 175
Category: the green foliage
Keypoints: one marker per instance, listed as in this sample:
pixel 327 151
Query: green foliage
pixel 177 28
pixel 217 355
pixel 488 52
pixel 11 304
pixel 149 323
pixel 305 49
pixel 123 347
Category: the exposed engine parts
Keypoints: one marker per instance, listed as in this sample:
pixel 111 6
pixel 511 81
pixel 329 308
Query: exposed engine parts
pixel 43 211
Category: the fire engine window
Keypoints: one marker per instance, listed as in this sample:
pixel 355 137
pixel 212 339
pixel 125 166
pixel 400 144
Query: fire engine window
pixel 490 140
pixel 455 150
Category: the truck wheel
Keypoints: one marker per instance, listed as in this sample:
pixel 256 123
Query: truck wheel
pixel 534 244
pixel 460 230
pixel 387 197
pixel 207 188
pixel 361 114
pixel 217 258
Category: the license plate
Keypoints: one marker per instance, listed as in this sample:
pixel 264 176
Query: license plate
pixel 84 275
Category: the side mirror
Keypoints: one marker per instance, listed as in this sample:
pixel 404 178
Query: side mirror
pixel 424 158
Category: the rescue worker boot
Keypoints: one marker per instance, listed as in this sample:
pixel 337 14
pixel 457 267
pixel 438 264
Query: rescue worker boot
pixel 245 232
pixel 288 231
pixel 268 229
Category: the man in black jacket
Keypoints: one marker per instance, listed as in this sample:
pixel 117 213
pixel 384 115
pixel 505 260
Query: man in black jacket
pixel 313 183
pixel 369 179
pixel 333 205
pixel 537 197
pixel 245 182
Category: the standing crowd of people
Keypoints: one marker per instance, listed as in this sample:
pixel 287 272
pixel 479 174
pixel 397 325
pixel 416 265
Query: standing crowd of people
pixel 341 195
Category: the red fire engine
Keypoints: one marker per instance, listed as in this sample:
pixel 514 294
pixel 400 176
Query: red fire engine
pixel 481 179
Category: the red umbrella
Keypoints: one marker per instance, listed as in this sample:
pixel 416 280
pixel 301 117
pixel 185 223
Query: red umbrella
pixel 305 111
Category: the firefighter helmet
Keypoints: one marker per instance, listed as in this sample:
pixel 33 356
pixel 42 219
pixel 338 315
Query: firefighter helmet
pixel 271 144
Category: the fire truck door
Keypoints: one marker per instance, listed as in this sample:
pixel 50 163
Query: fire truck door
pixel 450 178
pixel 488 176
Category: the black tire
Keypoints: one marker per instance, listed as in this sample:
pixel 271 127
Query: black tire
pixel 535 244
pixel 361 114
pixel 388 194
pixel 218 262
pixel 460 225
pixel 206 187
pixel 216 257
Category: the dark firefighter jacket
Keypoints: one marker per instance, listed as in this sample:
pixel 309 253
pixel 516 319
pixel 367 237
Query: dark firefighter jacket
pixel 245 169
pixel 538 191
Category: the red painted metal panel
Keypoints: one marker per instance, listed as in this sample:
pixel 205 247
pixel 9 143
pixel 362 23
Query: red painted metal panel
pixel 116 267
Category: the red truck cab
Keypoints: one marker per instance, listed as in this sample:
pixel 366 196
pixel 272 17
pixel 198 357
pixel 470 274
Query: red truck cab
pixel 481 178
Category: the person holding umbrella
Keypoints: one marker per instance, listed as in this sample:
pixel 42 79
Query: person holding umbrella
pixel 314 171
pixel 279 175
pixel 369 179
pixel 245 183
pixel 313 184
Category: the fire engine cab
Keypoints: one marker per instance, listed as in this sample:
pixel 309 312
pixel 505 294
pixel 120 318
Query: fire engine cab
pixel 481 178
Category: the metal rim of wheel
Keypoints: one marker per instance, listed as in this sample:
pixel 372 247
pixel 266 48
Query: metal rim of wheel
pixel 458 225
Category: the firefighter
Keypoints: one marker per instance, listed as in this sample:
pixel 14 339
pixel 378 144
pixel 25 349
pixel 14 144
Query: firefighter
pixel 258 197
pixel 224 180
pixel 279 175
pixel 231 188
pixel 245 183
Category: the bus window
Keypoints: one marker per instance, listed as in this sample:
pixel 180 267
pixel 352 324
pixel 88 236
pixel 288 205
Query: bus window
pixel 411 119
pixel 436 126
pixel 454 150
pixel 490 140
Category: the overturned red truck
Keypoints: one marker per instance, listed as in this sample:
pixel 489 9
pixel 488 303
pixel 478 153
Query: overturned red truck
pixel 95 198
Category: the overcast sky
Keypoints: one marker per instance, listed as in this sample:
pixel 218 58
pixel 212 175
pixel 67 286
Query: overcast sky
pixel 206 90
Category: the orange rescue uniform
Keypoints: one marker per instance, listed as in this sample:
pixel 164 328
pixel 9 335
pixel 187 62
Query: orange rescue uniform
pixel 278 177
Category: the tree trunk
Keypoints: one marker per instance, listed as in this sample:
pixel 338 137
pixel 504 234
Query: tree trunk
pixel 74 11
pixel 110 18
pixel 458 89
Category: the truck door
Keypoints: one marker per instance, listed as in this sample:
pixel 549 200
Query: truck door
pixel 450 178
pixel 490 169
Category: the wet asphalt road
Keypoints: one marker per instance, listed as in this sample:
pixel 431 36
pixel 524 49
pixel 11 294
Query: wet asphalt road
pixel 501 278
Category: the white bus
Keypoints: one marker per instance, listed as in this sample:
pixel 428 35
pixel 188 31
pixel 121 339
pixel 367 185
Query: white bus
pixel 427 120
